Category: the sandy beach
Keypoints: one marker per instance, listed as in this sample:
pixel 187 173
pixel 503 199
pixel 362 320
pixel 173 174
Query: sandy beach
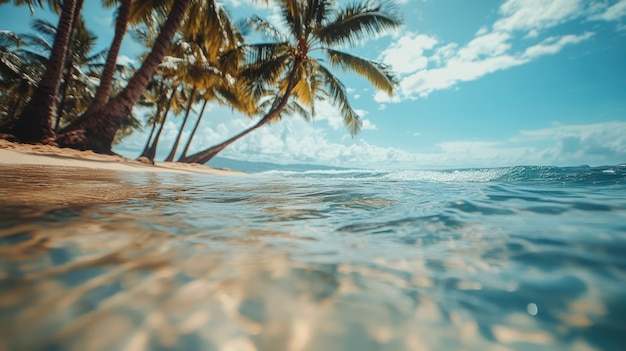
pixel 47 155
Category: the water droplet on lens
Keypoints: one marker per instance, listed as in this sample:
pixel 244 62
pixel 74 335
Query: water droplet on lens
pixel 532 309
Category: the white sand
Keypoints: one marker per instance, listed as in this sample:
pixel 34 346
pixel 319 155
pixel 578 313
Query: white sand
pixel 46 155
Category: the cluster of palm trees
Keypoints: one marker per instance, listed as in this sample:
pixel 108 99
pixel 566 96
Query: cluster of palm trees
pixel 196 54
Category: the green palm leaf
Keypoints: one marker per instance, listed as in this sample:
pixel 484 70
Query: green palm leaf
pixel 268 62
pixel 304 90
pixel 370 18
pixel 378 74
pixel 339 98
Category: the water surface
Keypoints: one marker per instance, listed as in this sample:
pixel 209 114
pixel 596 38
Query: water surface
pixel 522 258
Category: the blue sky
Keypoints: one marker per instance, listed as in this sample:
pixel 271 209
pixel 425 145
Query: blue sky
pixel 482 84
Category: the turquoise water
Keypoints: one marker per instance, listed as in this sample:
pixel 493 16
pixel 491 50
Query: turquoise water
pixel 521 258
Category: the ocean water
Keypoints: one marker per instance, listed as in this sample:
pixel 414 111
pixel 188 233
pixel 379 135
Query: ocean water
pixel 521 258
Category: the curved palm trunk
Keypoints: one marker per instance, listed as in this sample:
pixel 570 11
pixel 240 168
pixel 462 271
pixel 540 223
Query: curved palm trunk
pixel 68 67
pixel 63 94
pixel 170 157
pixel 35 122
pixel 193 132
pixel 152 130
pixel 103 92
pixel 157 116
pixel 206 155
pixel 96 130
pixel 151 152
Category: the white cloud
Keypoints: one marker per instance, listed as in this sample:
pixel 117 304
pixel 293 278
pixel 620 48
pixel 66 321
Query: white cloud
pixel 599 143
pixel 125 60
pixel 368 125
pixel 444 53
pixel 489 51
pixel 324 111
pixel 293 140
pixel 612 13
pixel 552 45
pixel 406 54
pixel 424 82
pixel 487 45
pixel 536 14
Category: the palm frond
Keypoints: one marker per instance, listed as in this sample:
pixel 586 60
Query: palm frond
pixel 322 10
pixel 44 28
pixel 37 42
pixel 98 56
pixel 378 74
pixel 234 37
pixel 266 29
pixel 9 39
pixel 303 90
pixel 231 60
pixel 339 98
pixel 359 20
pixel 291 11
pixel 260 77
pixel 267 64
pixel 295 108
pixel 10 67
pixel 34 57
pixel 151 12
pixel 261 52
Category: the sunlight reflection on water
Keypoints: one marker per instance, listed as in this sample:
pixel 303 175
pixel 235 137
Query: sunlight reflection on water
pixel 113 261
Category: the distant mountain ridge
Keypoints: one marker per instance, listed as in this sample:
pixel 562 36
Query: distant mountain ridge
pixel 256 167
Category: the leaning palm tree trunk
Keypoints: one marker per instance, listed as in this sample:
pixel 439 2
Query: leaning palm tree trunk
pixel 170 157
pixel 103 92
pixel 68 77
pixel 150 152
pixel 152 130
pixel 193 132
pixel 96 131
pixel 206 155
pixel 35 122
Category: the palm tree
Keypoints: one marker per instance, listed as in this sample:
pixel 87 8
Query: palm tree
pixel 77 86
pixel 151 148
pixel 183 154
pixel 35 122
pixel 165 84
pixel 103 92
pixel 153 98
pixel 206 64
pixel 96 131
pixel 190 100
pixel 314 26
pixel 224 94
pixel 18 75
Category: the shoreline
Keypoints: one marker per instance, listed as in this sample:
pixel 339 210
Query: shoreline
pixel 12 153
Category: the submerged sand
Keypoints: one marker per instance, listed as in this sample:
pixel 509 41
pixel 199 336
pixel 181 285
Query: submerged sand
pixel 47 155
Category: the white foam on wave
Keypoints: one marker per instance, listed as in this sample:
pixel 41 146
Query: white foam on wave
pixel 452 176
pixel 446 176
pixel 321 171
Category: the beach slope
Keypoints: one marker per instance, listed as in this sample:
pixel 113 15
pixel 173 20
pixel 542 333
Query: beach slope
pixel 47 155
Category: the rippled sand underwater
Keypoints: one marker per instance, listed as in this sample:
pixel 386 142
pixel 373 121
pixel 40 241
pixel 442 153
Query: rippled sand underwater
pixel 99 260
